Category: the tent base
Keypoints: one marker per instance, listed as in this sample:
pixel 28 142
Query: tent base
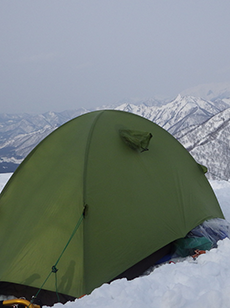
pixel 47 298
pixel 139 268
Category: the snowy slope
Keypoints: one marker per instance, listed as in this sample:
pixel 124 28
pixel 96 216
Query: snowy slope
pixel 204 283
pixel 182 113
pixel 19 134
pixel 209 144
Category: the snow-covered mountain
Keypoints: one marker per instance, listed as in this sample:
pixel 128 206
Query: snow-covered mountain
pixel 183 112
pixel 20 133
pixel 209 144
pixel 202 126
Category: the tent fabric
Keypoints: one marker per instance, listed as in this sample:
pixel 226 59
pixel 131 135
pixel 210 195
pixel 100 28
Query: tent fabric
pixel 136 140
pixel 137 202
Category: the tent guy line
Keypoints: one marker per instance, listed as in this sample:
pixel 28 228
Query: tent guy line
pixel 54 267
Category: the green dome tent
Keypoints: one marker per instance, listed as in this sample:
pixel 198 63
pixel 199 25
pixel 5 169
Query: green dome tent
pixel 98 195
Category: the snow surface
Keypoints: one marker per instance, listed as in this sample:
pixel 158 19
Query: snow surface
pixel 200 283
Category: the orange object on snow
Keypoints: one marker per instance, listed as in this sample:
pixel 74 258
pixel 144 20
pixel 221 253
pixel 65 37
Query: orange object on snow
pixel 198 252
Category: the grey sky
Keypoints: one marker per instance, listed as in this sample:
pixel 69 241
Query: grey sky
pixel 58 55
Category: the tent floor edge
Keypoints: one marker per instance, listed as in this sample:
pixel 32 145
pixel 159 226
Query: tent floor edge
pixel 45 298
pixel 139 268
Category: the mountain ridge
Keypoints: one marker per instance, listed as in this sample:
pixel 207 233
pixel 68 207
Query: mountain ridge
pixel 187 118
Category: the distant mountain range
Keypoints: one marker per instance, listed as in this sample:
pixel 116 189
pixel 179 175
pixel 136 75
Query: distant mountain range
pixel 202 126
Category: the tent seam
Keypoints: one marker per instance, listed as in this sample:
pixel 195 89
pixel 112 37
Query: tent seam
pixel 86 156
